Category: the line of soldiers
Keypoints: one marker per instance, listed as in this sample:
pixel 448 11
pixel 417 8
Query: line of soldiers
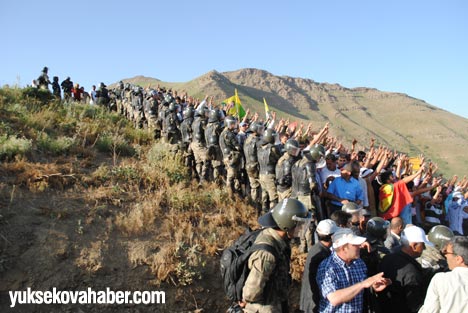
pixel 252 158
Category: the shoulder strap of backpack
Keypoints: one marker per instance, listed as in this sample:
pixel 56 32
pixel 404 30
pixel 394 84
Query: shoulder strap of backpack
pixel 265 247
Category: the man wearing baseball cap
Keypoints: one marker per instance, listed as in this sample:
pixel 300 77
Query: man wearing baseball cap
pixel 342 277
pixel 310 293
pixel 407 292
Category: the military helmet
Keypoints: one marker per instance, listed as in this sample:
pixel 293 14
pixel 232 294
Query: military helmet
pixel 377 227
pixel 288 213
pixel 188 112
pixel 168 98
pixel 230 122
pixel 256 127
pixel 172 107
pixel 201 110
pixel 269 136
pixel 214 116
pixel 350 208
pixel 292 147
pixel 316 153
pixel 439 235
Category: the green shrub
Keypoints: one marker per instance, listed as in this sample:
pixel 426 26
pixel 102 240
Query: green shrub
pixel 58 146
pixel 114 143
pixel 40 95
pixel 12 146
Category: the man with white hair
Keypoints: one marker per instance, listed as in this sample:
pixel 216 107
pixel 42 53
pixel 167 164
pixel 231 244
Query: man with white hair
pixel 447 292
pixel 406 294
pixel 342 277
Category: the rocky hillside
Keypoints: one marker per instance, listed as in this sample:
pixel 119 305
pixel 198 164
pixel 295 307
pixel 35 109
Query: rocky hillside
pixel 397 120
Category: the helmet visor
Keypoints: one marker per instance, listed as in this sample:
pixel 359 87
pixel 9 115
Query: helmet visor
pixel 302 225
pixel 294 151
pixel 321 162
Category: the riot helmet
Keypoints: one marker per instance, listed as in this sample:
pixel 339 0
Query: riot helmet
pixel 172 107
pixel 230 122
pixel 377 227
pixel 350 208
pixel 292 147
pixel 287 215
pixel 188 112
pixel 316 154
pixel 214 116
pixel 269 136
pixel 439 235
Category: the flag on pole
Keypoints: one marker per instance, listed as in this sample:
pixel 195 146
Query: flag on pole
pixel 267 110
pixel 237 109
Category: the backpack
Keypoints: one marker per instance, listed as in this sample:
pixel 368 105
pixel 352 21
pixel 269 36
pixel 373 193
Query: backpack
pixel 234 262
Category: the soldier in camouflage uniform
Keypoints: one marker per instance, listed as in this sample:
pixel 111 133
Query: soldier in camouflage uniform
pixel 251 145
pixel 127 102
pixel 432 260
pixel 186 139
pixel 212 135
pixel 283 169
pixel 268 155
pixel 43 80
pixel 119 92
pixel 266 288
pixel 304 185
pixel 137 114
pixel 67 86
pixel 232 157
pixel 171 125
pixel 198 144
pixel 102 95
pixel 150 107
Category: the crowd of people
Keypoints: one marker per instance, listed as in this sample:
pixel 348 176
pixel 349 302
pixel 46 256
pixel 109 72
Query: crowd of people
pixel 72 92
pixel 365 214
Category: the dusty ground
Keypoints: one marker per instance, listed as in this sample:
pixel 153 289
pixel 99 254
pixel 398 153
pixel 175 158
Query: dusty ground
pixel 53 235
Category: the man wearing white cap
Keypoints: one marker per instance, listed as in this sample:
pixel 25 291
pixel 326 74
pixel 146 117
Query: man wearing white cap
pixel 310 293
pixel 407 292
pixel 342 277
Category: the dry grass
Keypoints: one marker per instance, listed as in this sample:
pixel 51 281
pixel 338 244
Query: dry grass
pixel 134 196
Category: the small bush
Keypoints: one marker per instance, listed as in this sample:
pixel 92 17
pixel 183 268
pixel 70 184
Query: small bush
pixel 12 146
pixel 42 96
pixel 59 146
pixel 116 144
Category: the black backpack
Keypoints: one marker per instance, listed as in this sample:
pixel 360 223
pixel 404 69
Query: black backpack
pixel 234 262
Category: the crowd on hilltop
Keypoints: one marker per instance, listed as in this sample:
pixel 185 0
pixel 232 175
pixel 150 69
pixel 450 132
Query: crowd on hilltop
pixel 72 92
pixel 373 191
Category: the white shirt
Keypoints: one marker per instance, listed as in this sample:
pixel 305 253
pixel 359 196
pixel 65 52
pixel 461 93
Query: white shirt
pixel 324 173
pixel 447 292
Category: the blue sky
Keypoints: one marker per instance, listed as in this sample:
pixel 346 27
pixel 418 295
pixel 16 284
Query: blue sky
pixel 415 47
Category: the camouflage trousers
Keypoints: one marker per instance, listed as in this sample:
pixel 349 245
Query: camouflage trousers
pixel 284 194
pixel 232 176
pixel 307 238
pixel 254 182
pixel 200 152
pixel 269 194
pixel 216 157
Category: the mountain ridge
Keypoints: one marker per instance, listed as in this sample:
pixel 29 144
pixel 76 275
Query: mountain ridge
pixel 395 119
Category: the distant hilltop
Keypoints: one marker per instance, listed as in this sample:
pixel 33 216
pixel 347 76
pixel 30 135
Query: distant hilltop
pixel 394 119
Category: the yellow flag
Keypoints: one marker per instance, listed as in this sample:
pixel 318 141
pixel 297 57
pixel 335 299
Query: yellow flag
pixel 267 109
pixel 237 109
